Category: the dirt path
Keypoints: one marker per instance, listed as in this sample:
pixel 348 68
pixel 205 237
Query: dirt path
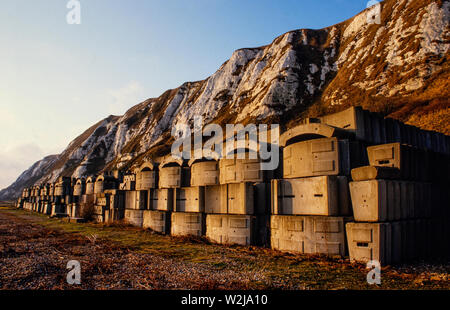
pixel 34 255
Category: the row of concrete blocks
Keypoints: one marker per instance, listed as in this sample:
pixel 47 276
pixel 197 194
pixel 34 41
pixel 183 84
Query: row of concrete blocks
pixel 393 200
pixel 220 228
pixel 48 208
pixel 412 163
pixel 375 129
pixel 242 198
pixel 398 242
pixel 300 234
pixel 324 195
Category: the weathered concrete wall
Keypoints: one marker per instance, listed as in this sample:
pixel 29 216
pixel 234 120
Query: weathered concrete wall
pixel 174 177
pixel 314 158
pixel 188 224
pixel 158 221
pixel 307 196
pixel 146 180
pixel 134 217
pixel 309 234
pixel 161 199
pixel 241 170
pixel 231 229
pixel 137 200
pixel 230 199
pixel 205 173
pixel 189 199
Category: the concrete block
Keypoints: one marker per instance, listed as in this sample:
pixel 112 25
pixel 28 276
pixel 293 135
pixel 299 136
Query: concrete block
pixel 308 234
pixel 369 200
pixel 129 183
pixel 327 235
pixel 240 170
pixel 375 172
pixel 370 241
pixel 231 229
pixel 314 158
pixel 239 198
pixel 174 177
pixel 288 233
pixel 392 155
pixel 146 180
pixel 306 196
pixel 351 119
pixel 189 199
pixel 188 224
pixel 161 199
pixel 137 200
pixel 134 217
pixel 205 173
pixel 230 199
pixel 213 200
pixel 158 221
pixel 90 186
pixel 79 188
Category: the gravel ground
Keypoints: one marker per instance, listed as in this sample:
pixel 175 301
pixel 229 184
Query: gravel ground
pixel 35 257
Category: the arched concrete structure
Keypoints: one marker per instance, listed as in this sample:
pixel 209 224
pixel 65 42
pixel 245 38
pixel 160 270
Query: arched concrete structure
pixel 80 187
pixel 310 131
pixel 146 176
pixel 204 172
pixel 236 170
pixel 90 183
pixel 174 173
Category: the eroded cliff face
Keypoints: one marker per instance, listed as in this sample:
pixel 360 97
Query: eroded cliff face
pixel 398 67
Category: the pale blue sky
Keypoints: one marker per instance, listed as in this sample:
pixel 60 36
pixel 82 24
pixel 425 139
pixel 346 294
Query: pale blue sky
pixel 59 79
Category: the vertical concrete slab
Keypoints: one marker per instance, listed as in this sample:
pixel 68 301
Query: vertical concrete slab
pixel 396 242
